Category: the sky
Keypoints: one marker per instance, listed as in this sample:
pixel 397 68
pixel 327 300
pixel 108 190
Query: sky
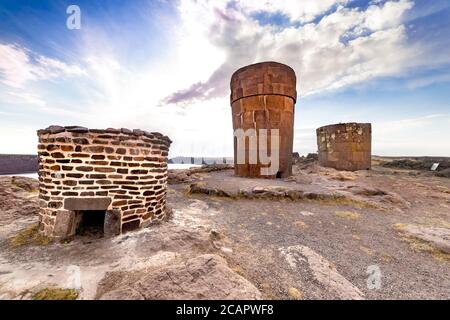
pixel 166 65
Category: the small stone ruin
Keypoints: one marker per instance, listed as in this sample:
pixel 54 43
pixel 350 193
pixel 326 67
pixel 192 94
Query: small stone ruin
pixel 345 146
pixel 106 181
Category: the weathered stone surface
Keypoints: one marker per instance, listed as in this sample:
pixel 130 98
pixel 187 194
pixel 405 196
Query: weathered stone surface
pixel 64 223
pixel 16 198
pixel 263 96
pixel 86 203
pixel 77 161
pixel 25 183
pixel 230 186
pixel 112 223
pixel 77 129
pixel 444 173
pixel 191 175
pixel 206 277
pixel 299 257
pixel 263 78
pixel 345 146
pixel 125 293
pixel 438 237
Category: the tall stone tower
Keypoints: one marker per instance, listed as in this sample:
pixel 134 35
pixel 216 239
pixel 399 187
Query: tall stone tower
pixel 263 96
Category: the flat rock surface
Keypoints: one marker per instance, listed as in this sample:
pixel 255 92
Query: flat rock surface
pixel 230 184
pixel 280 248
pixel 438 237
pixel 204 277
pixel 18 202
pixel 335 245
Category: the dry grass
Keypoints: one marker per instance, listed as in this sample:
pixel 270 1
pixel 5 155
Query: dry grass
pixel 56 294
pixel 348 215
pixel 345 201
pixel 238 270
pixel 27 236
pixel 300 224
pixel 387 257
pixel 420 245
pixel 333 200
pixel 19 183
pixel 366 250
pixel 435 222
pixel 295 293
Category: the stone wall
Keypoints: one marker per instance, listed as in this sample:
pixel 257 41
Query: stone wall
pixel 263 96
pixel 345 146
pixel 121 171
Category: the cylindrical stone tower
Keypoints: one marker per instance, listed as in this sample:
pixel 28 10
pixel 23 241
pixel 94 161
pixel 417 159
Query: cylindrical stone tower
pixel 263 96
pixel 345 146
pixel 108 181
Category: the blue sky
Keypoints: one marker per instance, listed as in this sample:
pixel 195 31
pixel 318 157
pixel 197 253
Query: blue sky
pixel 165 66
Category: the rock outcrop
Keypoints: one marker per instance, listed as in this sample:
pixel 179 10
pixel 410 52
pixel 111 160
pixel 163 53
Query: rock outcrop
pixel 204 277
pixel 192 174
pixel 18 198
pixel 435 236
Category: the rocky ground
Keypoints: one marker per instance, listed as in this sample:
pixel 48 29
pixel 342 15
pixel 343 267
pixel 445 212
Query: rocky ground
pixel 320 234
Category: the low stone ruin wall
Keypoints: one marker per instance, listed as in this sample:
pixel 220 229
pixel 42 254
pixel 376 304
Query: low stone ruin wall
pixel 345 146
pixel 119 171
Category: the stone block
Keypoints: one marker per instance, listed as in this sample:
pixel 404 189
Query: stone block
pixel 87 203
pixel 64 224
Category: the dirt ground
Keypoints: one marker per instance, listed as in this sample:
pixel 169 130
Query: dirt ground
pixel 321 234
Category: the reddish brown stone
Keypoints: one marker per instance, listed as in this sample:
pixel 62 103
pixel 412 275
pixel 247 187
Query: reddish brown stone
pixel 345 146
pixel 104 169
pixel 67 148
pixel 263 96
pixel 84 169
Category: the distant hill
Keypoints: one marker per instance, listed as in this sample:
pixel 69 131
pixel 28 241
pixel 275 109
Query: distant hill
pixel 201 160
pixel 18 163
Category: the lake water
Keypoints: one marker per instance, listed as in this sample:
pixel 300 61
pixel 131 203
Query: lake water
pixel 175 166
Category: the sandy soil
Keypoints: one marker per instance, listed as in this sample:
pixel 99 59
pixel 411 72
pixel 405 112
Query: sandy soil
pixel 351 236
pixel 306 248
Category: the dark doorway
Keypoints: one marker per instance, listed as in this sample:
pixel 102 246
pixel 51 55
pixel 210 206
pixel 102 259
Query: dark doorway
pixel 279 173
pixel 92 223
pixel 130 226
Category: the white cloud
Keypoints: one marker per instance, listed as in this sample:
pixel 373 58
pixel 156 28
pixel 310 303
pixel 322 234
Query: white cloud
pixel 15 67
pixel 17 138
pixel 24 98
pixel 427 80
pixel 387 16
pixel 417 136
pixel 302 11
pixel 390 127
pixel 347 46
pixel 18 66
